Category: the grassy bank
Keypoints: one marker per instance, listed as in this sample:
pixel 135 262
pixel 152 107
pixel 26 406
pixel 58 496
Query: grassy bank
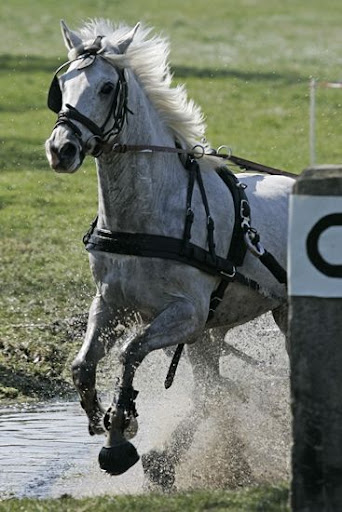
pixel 262 499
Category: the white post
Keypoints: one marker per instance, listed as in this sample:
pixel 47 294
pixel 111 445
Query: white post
pixel 312 121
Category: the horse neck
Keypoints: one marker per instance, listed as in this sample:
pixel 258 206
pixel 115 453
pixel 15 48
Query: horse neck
pixel 135 189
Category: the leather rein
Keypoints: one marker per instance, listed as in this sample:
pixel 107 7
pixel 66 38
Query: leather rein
pixel 197 152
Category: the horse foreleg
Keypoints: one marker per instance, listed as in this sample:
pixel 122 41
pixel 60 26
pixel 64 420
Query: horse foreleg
pixel 176 324
pixel 84 366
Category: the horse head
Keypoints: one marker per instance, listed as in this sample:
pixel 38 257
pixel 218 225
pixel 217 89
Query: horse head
pixel 90 98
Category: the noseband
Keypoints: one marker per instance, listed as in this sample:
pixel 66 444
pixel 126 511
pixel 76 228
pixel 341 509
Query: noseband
pixel 117 111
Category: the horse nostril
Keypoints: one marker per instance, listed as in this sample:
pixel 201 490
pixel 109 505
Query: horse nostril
pixel 68 151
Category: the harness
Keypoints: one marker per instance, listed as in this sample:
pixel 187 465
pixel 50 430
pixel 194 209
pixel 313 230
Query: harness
pixel 157 246
pixel 184 251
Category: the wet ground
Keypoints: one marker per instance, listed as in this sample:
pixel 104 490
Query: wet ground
pixel 45 450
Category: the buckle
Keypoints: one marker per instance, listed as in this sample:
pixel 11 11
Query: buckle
pixel 226 274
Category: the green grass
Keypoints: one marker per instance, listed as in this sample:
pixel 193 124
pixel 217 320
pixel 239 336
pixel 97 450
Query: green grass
pixel 262 499
pixel 246 63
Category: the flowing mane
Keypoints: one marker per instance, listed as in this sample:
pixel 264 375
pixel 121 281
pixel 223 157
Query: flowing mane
pixel 148 59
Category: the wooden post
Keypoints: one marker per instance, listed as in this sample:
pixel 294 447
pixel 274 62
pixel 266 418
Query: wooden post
pixel 315 335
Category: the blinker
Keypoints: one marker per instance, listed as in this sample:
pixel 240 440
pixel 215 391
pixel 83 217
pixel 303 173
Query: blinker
pixel 86 56
pixel 55 96
pixel 54 100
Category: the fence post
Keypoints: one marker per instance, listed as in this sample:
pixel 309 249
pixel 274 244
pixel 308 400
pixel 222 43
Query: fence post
pixel 315 335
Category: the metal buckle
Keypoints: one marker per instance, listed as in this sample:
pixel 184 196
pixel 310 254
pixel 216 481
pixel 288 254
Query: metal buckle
pixel 223 273
pixel 244 203
pixel 254 247
pixel 98 148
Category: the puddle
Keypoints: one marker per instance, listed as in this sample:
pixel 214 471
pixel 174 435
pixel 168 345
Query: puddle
pixel 39 444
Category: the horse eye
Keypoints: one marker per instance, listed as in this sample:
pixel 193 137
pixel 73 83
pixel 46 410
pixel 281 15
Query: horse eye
pixel 107 88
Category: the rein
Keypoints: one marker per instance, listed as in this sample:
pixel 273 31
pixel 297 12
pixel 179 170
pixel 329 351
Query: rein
pixel 197 152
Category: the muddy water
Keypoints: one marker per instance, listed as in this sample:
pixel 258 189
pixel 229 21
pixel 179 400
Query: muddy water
pixel 45 450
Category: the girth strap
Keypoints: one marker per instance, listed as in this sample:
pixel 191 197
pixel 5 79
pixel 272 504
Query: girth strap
pixel 158 246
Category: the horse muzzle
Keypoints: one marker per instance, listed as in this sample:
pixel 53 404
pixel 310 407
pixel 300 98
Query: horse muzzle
pixel 64 154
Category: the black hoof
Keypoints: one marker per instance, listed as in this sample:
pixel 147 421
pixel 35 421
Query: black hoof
pixel 117 459
pixel 159 470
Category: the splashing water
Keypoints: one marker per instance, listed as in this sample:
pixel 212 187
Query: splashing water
pixel 45 449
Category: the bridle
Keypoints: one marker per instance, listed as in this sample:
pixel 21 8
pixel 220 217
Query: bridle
pixel 117 111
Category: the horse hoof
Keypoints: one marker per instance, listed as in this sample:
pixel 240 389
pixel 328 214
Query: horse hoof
pixel 117 459
pixel 159 470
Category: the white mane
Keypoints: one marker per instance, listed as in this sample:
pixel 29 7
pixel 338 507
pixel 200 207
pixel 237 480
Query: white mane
pixel 148 59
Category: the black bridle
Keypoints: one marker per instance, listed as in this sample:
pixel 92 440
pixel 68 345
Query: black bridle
pixel 117 111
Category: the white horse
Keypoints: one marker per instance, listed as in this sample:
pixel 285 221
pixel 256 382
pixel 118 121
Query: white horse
pixel 116 91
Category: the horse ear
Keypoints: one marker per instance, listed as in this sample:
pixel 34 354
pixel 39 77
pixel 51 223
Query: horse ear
pixel 124 43
pixel 71 39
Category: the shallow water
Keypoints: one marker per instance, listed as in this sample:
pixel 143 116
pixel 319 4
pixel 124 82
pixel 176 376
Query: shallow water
pixel 45 449
pixel 39 444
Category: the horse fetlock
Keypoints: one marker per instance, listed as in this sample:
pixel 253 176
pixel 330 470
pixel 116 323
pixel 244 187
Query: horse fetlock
pixel 122 421
pixel 130 428
pixel 122 413
pixel 95 412
pixel 96 424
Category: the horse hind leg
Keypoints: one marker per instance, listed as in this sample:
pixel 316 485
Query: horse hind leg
pixel 160 466
pixel 84 366
pixel 204 355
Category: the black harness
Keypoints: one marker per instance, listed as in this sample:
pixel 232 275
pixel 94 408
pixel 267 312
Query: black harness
pixel 182 249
